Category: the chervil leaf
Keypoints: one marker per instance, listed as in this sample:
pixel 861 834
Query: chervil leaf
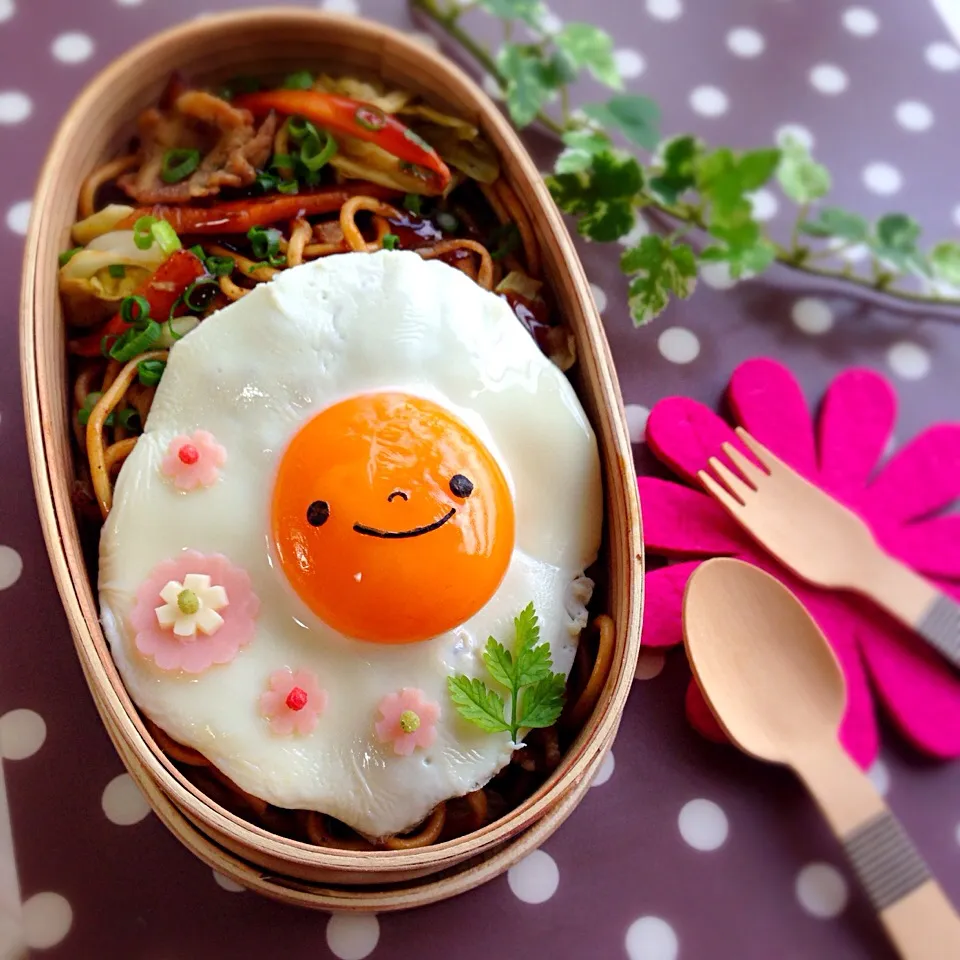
pixel 542 703
pixel 945 262
pixel 526 626
pixel 834 222
pixel 665 269
pixel 533 659
pixel 678 173
pixel 895 241
pixel 529 11
pixel 743 247
pixel 801 178
pixel 499 662
pixel 581 147
pixel 476 703
pixel 526 90
pixel 638 118
pixel 590 47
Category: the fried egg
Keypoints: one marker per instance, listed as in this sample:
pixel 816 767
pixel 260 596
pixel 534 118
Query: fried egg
pixel 348 481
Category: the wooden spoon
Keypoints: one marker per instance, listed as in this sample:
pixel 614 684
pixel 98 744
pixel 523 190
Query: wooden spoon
pixel 777 690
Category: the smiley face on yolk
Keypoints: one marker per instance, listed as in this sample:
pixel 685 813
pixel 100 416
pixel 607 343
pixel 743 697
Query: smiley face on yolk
pixel 391 519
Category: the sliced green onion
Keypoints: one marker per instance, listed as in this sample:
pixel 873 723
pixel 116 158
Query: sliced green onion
pixel 288 186
pixel 300 128
pixel 117 270
pixel 171 330
pixel 316 152
pixel 390 241
pixel 83 416
pixel 192 289
pixel 301 80
pixel 281 161
pixel 413 202
pixel 277 260
pixel 68 255
pixel 504 240
pixel 240 85
pixel 166 237
pixel 143 232
pixel 265 241
pixel 150 371
pixel 267 181
pixel 136 341
pixel 220 266
pixel 129 419
pixel 135 310
pixel 447 221
pixel 178 164
pixel 110 338
pixel 197 251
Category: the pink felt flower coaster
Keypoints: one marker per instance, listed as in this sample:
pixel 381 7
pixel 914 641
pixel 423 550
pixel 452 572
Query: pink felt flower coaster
pixel 920 691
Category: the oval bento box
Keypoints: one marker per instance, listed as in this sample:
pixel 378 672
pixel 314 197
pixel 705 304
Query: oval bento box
pixel 96 127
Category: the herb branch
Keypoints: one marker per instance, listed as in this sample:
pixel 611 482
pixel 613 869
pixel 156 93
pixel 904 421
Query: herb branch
pixel 536 693
pixel 689 186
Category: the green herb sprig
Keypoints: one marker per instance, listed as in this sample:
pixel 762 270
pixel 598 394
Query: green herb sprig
pixel 700 197
pixel 535 692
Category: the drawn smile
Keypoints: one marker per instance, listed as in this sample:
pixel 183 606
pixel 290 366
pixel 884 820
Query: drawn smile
pixel 404 534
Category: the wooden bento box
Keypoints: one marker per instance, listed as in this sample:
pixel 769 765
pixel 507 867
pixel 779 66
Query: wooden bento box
pixel 271 41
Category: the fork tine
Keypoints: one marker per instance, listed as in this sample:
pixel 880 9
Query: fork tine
pixel 734 483
pixel 768 459
pixel 720 493
pixel 744 464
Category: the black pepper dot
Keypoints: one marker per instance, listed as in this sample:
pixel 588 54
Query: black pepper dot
pixel 318 513
pixel 460 486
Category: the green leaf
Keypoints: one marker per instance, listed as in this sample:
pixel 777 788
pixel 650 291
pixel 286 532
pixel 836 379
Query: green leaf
pixel 534 661
pixel 590 47
pixel 664 270
pixel 581 147
pixel 476 703
pixel 744 248
pixel 526 627
pixel 758 166
pixel 529 11
pixel 725 179
pixel 523 73
pixel 499 662
pixel 835 222
pixel 945 262
pixel 637 118
pixel 542 703
pixel 801 178
pixel 678 172
pixel 559 70
pixel 895 241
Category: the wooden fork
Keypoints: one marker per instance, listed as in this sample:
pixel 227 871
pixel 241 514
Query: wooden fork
pixel 825 543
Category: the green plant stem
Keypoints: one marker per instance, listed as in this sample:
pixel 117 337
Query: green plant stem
pixel 793 257
pixel 801 217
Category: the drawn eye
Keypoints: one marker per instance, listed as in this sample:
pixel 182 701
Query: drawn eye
pixel 318 513
pixel 460 486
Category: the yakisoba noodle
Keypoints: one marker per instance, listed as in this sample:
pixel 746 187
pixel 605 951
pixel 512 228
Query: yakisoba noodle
pixel 291 209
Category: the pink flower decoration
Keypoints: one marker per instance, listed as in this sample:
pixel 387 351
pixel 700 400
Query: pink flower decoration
pixel 408 720
pixel 195 654
pixel 293 702
pixel 193 461
pixel 920 691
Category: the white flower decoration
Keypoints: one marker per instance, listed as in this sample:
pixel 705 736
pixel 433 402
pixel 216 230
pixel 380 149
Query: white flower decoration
pixel 191 606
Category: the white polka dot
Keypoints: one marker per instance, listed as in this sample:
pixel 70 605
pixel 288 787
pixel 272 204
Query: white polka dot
pixel 703 825
pixel 708 101
pixel 629 63
pixel 15 106
pixel 943 56
pixel 651 938
pixel 535 878
pixel 821 890
pixel 637 421
pixel 956 214
pixel 909 361
pixel 599 297
pixel 550 22
pixel 664 9
pixel 882 178
pixel 828 78
pixel 745 42
pixel 129 3
pixel 914 115
pixel 22 733
pixel 640 229
pixel 7 10
pixel 764 204
pixel 11 564
pixel 879 773
pixel 491 87
pixel 122 801
pixel 227 883
pixel 678 345
pixel 72 47
pixel 794 131
pixel 604 771
pixel 850 253
pixel 812 315
pixel 341 6
pixel 717 275
pixel 352 936
pixel 650 664
pixel 860 21
pixel 18 217
pixel 47 918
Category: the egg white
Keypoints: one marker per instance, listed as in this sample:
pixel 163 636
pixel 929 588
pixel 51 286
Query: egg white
pixel 252 375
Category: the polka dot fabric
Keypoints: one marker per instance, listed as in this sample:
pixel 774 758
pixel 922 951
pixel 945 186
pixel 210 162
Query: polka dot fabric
pixel 680 844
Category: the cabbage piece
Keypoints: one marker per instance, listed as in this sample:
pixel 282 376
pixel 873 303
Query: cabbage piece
pixel 472 156
pixel 465 130
pixel 516 281
pixel 388 101
pixel 99 223
pixel 360 160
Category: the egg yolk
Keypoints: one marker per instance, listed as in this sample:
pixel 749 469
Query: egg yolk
pixel 391 519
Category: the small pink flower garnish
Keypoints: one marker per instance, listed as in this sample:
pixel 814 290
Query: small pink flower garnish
pixel 408 720
pixel 293 702
pixel 198 651
pixel 193 461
